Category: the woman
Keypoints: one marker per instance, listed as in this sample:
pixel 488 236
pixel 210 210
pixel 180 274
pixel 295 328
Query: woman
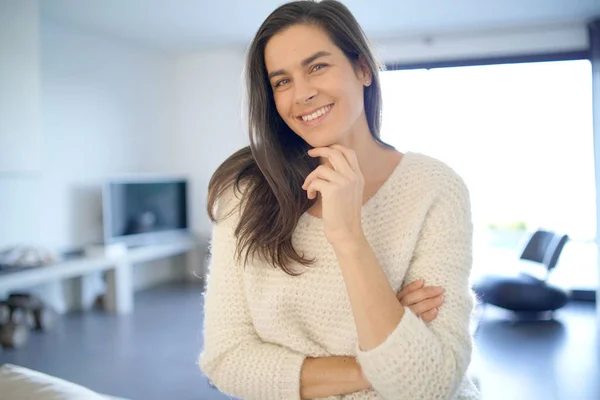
pixel 320 226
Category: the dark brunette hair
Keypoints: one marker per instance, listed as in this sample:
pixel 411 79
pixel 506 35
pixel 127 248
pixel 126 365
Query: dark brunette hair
pixel 270 171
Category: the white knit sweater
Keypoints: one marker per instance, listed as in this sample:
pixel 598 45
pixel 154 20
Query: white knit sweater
pixel 261 323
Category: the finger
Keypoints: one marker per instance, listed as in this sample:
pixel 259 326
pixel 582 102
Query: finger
pixel 335 157
pixel 428 292
pixel 317 185
pixel 349 155
pixel 321 172
pixel 425 293
pixel 427 305
pixel 429 316
pixel 411 287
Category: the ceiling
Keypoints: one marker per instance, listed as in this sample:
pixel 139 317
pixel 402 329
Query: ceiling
pixel 197 24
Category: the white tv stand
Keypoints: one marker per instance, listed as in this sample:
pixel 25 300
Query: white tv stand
pixel 119 285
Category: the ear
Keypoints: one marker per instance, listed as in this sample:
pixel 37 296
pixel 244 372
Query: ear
pixel 364 73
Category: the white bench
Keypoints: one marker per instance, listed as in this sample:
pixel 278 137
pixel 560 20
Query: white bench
pixel 119 284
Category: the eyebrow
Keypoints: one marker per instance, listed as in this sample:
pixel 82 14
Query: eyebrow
pixel 304 63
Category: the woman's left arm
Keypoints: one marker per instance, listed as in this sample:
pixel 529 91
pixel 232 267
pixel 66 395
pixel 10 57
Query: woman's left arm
pixel 402 356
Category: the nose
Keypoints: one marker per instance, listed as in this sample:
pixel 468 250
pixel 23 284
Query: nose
pixel 304 91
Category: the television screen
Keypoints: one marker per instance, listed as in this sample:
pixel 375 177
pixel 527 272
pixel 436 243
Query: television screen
pixel 144 208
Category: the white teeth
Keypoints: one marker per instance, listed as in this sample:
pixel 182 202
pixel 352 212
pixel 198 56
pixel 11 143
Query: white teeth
pixel 316 114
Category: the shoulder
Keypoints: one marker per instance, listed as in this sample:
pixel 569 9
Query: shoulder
pixel 230 202
pixel 433 176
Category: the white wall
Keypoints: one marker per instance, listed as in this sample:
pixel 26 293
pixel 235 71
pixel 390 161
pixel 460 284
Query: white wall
pixel 207 120
pixel 19 87
pixel 105 111
pixel 19 120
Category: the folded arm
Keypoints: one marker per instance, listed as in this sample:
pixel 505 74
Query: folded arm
pixel 402 356
pixel 235 358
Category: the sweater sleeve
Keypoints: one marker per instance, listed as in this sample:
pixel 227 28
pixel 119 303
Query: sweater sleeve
pixel 234 357
pixel 427 361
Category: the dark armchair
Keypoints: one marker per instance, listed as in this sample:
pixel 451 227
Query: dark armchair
pixel 525 292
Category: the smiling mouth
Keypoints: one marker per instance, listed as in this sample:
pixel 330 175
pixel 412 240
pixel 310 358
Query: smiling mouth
pixel 317 116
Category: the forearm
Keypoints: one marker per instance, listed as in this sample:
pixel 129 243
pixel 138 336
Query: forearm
pixel 331 376
pixel 376 309
pixel 419 360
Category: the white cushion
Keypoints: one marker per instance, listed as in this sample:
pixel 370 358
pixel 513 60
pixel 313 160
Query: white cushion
pixel 19 383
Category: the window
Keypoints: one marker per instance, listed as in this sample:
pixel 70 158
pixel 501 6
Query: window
pixel 519 134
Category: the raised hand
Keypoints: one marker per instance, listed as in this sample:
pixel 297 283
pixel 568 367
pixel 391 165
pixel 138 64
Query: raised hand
pixel 340 184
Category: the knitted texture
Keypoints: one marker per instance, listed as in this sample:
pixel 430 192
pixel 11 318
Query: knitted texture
pixel 261 323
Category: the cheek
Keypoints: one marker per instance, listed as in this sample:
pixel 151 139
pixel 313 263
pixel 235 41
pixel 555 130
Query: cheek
pixel 351 93
pixel 282 107
pixel 355 96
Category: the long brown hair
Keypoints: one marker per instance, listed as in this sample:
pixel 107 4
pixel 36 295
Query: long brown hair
pixel 272 169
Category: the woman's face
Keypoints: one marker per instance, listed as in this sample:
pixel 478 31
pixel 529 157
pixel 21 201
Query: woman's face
pixel 317 91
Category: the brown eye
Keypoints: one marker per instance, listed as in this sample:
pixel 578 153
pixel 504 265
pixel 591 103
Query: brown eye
pixel 318 67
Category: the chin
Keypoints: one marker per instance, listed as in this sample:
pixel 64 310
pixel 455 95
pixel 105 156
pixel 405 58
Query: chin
pixel 318 139
pixel 321 143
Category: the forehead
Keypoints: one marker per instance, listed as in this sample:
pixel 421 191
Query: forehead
pixel 288 48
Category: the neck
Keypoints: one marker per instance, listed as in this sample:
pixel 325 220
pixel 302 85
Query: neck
pixel 370 154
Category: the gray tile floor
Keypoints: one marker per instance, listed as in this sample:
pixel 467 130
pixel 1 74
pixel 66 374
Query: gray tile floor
pixel 148 355
pixel 152 353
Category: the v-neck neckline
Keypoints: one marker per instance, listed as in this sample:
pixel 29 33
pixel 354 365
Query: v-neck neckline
pixel 377 193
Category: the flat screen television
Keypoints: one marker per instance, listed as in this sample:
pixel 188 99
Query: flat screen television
pixel 145 210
